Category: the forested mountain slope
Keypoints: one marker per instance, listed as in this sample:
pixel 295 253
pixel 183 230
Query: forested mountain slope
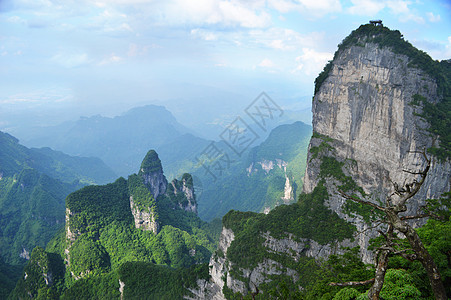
pixel 267 175
pixel 33 186
pixel 115 233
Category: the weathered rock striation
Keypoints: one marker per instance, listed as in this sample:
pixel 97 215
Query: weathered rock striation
pixel 152 173
pixel 363 111
pixel 183 190
pixel 144 217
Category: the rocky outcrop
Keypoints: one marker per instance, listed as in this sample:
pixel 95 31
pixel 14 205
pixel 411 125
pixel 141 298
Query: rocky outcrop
pixel 288 191
pixel 152 173
pixel 363 111
pixel 183 190
pixel 250 279
pixel 144 217
pixel 218 271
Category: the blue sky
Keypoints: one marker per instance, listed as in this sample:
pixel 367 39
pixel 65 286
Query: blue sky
pixel 63 58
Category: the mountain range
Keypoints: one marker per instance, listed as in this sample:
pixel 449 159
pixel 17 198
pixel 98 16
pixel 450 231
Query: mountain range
pixel 377 162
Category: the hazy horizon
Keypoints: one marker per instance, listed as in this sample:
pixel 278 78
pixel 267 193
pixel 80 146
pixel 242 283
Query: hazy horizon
pixel 205 63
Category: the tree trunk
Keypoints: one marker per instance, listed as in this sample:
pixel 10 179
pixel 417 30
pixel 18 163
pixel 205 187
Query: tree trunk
pixel 381 268
pixel 422 254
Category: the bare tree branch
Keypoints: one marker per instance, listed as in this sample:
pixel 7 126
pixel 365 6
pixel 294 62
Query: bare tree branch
pixel 415 217
pixel 355 199
pixel 352 283
pixel 411 189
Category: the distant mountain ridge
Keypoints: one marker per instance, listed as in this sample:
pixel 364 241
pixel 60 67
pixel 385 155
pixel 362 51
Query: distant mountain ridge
pixel 120 142
pixel 15 157
pixel 265 176
pixel 33 186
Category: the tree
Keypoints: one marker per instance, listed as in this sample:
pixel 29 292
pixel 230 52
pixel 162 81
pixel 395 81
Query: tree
pixel 396 204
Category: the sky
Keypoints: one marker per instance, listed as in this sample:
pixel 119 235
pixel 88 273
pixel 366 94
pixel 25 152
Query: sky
pixel 60 59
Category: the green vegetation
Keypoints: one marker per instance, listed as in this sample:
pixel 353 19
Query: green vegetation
pixel 105 245
pixel 151 163
pixel 322 148
pixel 307 219
pixel 142 197
pixel 149 281
pixel 439 117
pixel 88 257
pixel 31 212
pixel 94 207
pixel 102 287
pixel 245 185
pixel 33 186
pixel 43 276
pixel 9 275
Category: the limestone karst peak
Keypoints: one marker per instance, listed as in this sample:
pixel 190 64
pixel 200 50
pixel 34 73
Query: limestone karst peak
pixel 152 173
pixel 151 163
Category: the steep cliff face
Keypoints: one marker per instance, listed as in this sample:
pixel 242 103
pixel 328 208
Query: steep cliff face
pixel 143 204
pixel 152 173
pixel 364 118
pixel 182 191
pixel 145 218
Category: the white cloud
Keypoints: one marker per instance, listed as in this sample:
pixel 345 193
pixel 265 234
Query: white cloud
pixel 112 58
pixel 284 39
pixel 433 18
pixel 266 63
pixel 40 97
pixel 411 18
pixel 366 7
pixel 204 34
pixel 448 48
pixel 399 7
pixel 140 50
pixel 311 7
pixel 211 12
pixel 16 20
pixel 311 62
pixel 71 60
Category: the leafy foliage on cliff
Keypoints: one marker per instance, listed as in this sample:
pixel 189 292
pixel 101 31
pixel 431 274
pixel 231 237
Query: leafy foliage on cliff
pixel 94 207
pixel 149 281
pixel 150 163
pixel 31 212
pixel 309 218
pixel 43 275
pixel 9 275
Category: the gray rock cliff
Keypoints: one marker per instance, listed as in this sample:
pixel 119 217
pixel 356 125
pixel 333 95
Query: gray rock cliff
pixel 363 111
pixel 364 121
pixel 152 173
pixel 183 190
